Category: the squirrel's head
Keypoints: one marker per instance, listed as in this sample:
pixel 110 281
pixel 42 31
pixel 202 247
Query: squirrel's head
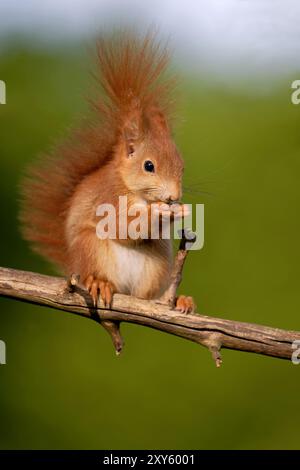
pixel 149 162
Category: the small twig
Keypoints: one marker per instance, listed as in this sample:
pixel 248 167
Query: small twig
pixel 113 329
pixel 214 344
pixel 72 282
pixel 187 238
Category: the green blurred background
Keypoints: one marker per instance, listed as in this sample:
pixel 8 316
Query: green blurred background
pixel 62 386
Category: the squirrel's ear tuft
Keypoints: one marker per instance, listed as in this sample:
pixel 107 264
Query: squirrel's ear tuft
pixel 133 131
pixel 158 121
pixel 161 121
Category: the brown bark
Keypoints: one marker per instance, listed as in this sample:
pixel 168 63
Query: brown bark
pixel 214 333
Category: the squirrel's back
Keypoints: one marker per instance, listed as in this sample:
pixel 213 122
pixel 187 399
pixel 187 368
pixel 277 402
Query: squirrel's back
pixel 130 71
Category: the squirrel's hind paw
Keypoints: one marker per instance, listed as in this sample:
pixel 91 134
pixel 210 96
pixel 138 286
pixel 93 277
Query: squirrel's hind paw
pixel 104 288
pixel 185 304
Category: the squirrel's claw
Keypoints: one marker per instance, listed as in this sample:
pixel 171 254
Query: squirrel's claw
pixel 185 304
pixel 96 286
pixel 106 293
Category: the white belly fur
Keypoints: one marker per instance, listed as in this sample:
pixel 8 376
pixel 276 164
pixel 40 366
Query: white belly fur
pixel 134 269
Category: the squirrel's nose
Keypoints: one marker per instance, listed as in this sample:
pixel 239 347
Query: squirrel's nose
pixel 172 192
pixel 172 200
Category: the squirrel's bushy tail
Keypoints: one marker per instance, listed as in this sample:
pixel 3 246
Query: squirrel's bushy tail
pixel 130 70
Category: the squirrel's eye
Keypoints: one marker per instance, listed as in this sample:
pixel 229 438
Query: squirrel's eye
pixel 148 166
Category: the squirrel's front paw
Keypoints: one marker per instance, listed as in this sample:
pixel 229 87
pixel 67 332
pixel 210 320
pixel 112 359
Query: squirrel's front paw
pixel 96 286
pixel 174 211
pixel 185 304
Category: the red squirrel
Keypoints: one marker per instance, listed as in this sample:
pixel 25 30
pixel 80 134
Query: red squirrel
pixel 126 150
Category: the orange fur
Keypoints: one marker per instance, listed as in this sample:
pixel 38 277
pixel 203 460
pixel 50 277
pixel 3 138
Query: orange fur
pixel 129 71
pixel 106 160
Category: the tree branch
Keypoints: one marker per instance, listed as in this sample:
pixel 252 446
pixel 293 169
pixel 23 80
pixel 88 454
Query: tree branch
pixel 214 333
